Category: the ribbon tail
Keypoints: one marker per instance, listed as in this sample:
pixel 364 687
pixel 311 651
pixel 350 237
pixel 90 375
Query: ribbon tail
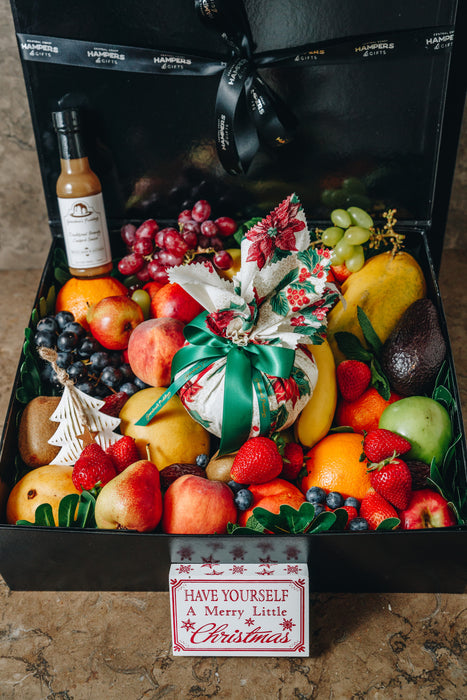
pixel 236 424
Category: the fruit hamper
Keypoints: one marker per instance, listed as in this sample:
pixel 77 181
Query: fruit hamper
pixel 308 132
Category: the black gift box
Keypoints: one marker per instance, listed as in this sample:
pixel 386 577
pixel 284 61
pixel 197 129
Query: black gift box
pixel 366 90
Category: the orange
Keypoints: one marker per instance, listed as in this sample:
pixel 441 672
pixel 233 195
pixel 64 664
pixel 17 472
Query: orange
pixel 363 413
pixel 77 295
pixel 270 496
pixel 334 464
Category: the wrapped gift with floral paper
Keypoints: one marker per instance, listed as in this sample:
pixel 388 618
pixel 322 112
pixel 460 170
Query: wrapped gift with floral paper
pixel 245 369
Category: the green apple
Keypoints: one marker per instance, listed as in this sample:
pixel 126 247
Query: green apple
pixel 424 422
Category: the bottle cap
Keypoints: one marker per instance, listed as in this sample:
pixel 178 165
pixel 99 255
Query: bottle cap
pixel 66 120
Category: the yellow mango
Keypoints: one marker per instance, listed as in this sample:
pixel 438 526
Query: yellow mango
pixel 315 420
pixel 384 288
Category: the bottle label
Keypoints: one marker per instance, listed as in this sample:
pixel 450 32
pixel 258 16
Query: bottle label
pixel 85 231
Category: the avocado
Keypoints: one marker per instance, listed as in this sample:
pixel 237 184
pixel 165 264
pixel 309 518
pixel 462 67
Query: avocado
pixel 414 352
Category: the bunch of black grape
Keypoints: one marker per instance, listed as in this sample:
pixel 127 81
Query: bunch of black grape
pixel 94 370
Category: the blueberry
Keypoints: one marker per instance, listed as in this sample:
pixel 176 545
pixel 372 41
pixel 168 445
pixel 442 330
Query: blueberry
pixel 115 358
pixel 67 340
pixel 202 460
pixel 243 499
pixel 48 323
pixel 45 339
pixel 77 371
pixel 139 383
pixel 86 388
pixel 351 501
pixel 111 377
pixel 319 508
pixel 315 495
pixel 64 317
pixel 87 347
pixel 235 486
pixel 98 360
pixel 54 380
pixel 358 525
pixel 129 388
pixel 127 372
pixel 46 373
pixel 334 500
pixel 63 359
pixel 75 327
pixel 101 391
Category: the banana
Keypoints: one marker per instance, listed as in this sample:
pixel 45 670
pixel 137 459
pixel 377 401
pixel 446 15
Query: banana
pixel 316 418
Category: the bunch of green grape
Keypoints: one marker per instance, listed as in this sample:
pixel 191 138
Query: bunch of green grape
pixel 346 238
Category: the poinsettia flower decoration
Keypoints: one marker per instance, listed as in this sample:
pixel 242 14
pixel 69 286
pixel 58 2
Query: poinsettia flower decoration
pixel 273 237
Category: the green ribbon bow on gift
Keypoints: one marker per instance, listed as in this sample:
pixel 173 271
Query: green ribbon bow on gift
pixel 245 368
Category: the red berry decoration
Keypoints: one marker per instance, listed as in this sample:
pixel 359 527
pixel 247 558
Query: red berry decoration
pixel 353 378
pixel 380 444
pixel 392 480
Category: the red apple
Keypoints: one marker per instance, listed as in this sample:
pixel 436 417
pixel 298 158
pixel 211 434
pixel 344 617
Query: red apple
pixel 194 505
pixel 427 508
pixel 152 346
pixel 172 301
pixel 113 319
pixel 132 500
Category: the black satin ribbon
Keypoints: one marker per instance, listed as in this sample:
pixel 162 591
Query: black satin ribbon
pixel 248 113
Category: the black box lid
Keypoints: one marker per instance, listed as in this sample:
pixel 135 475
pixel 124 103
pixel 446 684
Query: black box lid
pixel 390 122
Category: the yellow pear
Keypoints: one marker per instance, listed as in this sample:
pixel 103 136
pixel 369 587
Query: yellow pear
pixel 171 436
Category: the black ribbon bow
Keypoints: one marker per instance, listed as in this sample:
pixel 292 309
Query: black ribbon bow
pixel 247 110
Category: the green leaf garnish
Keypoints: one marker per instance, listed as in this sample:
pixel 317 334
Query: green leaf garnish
pixel 389 524
pixel 243 228
pixel 85 501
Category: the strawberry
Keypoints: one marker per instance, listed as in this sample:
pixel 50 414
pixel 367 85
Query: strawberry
pixel 292 461
pixel 380 444
pixel 123 453
pixel 340 272
pixel 353 378
pixel 392 480
pixel 93 466
pixel 114 403
pixel 351 514
pixel 374 508
pixel 257 461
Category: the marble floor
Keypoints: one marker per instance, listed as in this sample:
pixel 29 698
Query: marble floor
pixel 117 646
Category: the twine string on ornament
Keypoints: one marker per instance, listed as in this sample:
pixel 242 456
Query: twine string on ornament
pixel 50 356
pixel 79 415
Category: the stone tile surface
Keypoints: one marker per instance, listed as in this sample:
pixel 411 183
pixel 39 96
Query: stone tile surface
pixel 91 646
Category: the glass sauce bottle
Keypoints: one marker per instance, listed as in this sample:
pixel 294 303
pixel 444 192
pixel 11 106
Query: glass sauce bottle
pixel 80 202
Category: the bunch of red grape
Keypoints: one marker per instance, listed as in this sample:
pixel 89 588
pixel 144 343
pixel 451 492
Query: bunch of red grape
pixel 151 250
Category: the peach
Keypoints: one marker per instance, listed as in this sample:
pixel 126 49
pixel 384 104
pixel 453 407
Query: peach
pixel 197 506
pixel 151 348
pixel 270 496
